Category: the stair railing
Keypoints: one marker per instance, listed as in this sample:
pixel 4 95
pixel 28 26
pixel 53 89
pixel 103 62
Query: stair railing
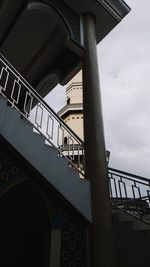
pixel 21 96
pixel 130 192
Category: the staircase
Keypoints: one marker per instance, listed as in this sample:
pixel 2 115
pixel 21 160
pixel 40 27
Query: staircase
pixel 131 218
pixel 36 132
pixel 130 193
pixel 19 134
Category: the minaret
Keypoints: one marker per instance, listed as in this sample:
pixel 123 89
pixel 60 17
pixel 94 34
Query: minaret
pixel 72 112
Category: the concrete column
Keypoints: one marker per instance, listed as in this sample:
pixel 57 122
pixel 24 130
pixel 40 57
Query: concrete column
pixel 95 152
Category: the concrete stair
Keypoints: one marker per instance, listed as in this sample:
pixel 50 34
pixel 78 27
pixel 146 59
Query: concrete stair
pixel 131 240
pixel 44 158
pixel 131 236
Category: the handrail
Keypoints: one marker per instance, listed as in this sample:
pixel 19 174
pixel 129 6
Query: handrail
pixel 128 174
pixel 41 99
pixel 23 97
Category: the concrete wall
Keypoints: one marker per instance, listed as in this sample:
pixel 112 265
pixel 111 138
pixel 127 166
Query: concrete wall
pixel 31 146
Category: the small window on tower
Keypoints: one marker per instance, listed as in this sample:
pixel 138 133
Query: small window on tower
pixel 68 100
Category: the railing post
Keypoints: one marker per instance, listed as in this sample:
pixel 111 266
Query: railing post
pixel 95 153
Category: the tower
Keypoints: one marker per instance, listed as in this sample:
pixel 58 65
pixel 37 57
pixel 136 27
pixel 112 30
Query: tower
pixel 72 112
pixel 72 115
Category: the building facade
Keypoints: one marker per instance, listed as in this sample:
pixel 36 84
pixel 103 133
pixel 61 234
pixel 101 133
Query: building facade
pixel 49 216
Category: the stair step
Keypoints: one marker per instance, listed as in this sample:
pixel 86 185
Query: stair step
pixel 131 240
pixel 44 158
pixel 123 216
pixel 140 225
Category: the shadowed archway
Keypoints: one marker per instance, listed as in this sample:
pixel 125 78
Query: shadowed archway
pixel 24 227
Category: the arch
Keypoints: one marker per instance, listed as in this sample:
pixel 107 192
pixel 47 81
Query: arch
pixel 54 13
pixel 48 83
pixel 42 33
pixel 24 227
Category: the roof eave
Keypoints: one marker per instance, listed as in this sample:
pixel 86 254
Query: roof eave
pixel 107 13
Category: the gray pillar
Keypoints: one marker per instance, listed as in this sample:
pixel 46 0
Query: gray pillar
pixel 95 152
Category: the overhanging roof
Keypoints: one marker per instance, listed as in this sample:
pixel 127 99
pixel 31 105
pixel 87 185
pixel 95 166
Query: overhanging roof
pixel 86 6
pixel 108 13
pixel 43 39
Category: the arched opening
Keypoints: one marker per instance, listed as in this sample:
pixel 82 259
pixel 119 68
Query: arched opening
pixel 47 84
pixel 24 227
pixel 36 41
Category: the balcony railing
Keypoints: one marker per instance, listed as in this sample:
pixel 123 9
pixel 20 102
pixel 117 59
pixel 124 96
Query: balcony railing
pixel 21 95
pixel 131 193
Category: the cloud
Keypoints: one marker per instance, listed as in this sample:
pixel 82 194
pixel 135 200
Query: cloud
pixel 124 61
pixel 56 98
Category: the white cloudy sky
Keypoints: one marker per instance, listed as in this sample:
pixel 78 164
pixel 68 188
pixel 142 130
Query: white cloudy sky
pixel 124 63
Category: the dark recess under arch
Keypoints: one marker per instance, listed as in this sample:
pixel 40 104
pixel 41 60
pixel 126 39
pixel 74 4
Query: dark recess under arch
pixel 24 227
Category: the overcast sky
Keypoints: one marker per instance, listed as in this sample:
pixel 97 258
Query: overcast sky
pixel 124 64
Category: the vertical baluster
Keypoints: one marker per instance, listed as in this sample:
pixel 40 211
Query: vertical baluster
pixel 4 75
pixel 125 190
pixel 119 186
pixel 39 118
pixel 115 186
pixel 28 103
pixel 110 185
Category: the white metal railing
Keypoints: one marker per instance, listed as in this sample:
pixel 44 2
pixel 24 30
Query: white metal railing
pixel 23 97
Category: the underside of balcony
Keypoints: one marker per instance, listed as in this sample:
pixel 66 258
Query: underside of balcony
pixel 44 41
